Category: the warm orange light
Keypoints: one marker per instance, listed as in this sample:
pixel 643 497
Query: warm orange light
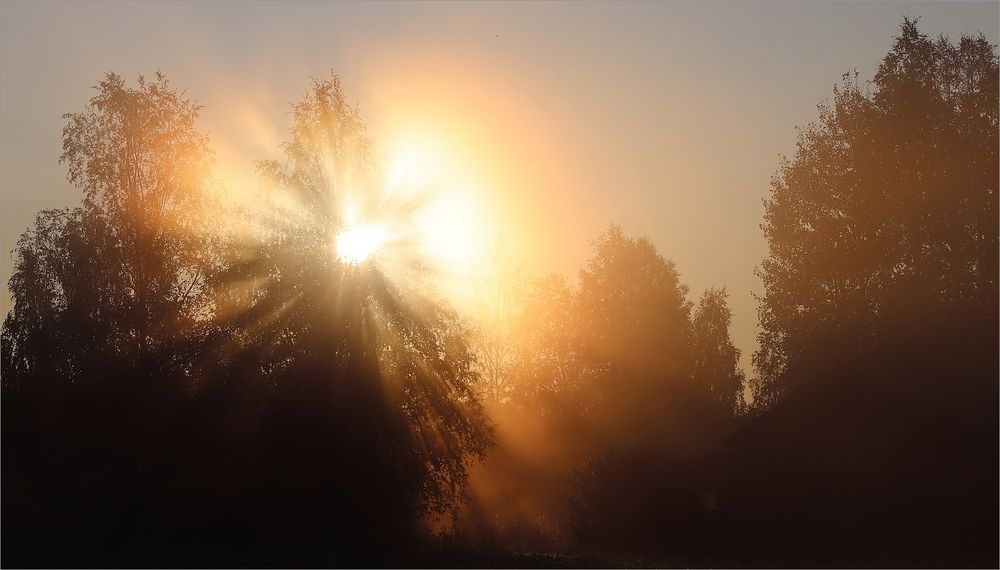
pixel 450 227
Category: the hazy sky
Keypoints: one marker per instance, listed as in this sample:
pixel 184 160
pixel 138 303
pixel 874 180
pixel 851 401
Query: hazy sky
pixel 667 118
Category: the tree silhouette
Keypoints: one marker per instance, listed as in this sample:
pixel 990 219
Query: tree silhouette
pixel 887 211
pixel 110 300
pixel 185 384
pixel 669 384
pixel 350 366
pixel 635 318
pixel 172 395
pixel 877 365
pixel 717 360
pixel 127 273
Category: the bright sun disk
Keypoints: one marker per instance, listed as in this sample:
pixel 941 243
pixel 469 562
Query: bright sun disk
pixel 358 243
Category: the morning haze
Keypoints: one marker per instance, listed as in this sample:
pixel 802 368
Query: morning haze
pixel 567 284
pixel 666 118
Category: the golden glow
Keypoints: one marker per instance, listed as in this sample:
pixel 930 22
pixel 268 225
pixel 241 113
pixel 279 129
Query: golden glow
pixel 448 224
pixel 359 242
pixel 487 152
pixel 465 158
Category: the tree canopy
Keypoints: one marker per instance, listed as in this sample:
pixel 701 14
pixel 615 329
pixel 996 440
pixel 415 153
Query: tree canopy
pixel 122 277
pixel 254 364
pixel 887 210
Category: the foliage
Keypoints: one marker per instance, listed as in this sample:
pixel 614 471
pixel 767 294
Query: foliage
pixel 394 349
pixel 717 361
pixel 877 371
pixel 260 391
pixel 888 209
pixel 128 271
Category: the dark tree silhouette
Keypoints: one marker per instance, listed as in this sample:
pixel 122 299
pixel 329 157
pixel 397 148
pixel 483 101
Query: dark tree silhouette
pixel 128 271
pixel 109 301
pixel 188 385
pixel 717 360
pixel 887 211
pixel 363 383
pixel 878 346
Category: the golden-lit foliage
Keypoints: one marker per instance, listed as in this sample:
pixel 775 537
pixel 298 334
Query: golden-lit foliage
pixel 340 279
pixel 573 372
pixel 140 253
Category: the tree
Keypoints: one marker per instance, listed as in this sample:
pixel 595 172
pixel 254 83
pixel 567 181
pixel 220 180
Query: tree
pixel 716 359
pixel 876 382
pixel 497 315
pixel 334 403
pixel 546 368
pixel 669 387
pixel 634 318
pixel 110 301
pixel 887 211
pixel 127 273
pixel 370 368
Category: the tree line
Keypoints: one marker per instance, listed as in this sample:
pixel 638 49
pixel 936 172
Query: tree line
pixel 180 390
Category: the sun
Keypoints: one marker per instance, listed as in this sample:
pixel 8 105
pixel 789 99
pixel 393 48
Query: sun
pixel 358 243
pixel 426 224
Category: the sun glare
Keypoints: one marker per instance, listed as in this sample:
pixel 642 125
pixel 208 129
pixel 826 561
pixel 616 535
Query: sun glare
pixel 450 227
pixel 358 243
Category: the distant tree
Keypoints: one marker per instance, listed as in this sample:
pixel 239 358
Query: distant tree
pixel 634 318
pixel 716 359
pixel 668 385
pixel 888 210
pixel 626 396
pixel 500 292
pixel 546 366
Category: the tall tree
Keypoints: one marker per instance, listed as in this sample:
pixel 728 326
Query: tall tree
pixel 110 300
pixel 877 371
pixel 373 369
pixel 668 384
pixel 888 210
pixel 128 272
pixel 716 359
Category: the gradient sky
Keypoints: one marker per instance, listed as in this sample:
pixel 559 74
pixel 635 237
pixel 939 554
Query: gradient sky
pixel 667 118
